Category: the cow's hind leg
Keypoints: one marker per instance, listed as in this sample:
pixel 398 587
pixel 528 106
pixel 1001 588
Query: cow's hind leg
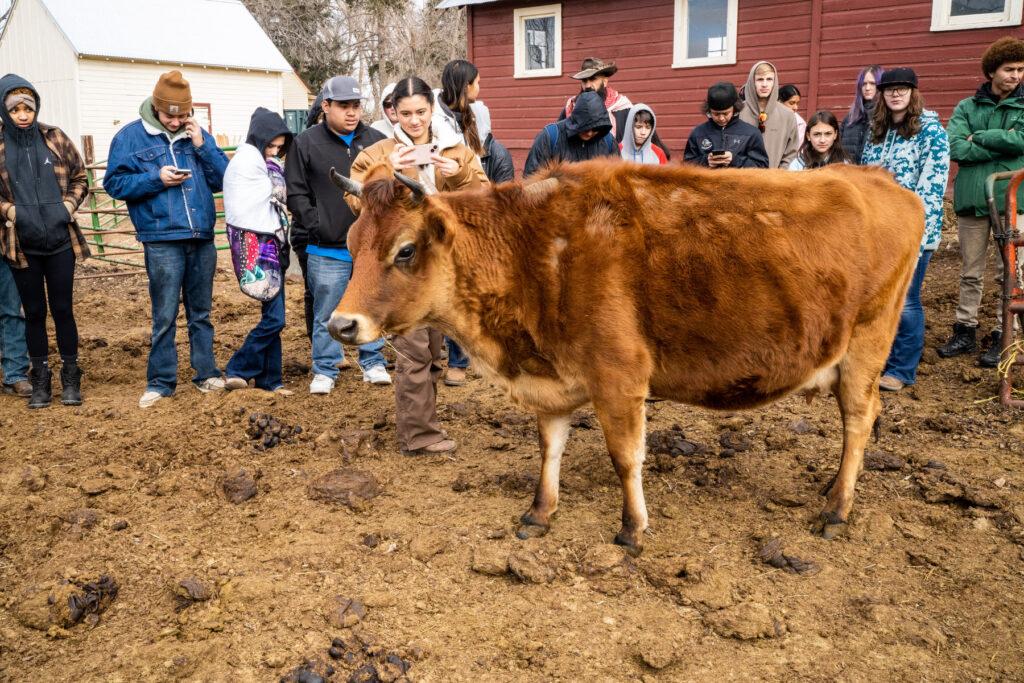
pixel 554 431
pixel 624 425
pixel 856 391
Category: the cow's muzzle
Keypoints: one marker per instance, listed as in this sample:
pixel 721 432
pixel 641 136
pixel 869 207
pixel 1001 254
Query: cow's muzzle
pixel 345 330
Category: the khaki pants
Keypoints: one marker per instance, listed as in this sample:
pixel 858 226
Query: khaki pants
pixel 974 240
pixel 417 370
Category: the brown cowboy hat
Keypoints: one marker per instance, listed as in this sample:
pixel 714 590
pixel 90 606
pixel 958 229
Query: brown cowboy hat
pixel 592 66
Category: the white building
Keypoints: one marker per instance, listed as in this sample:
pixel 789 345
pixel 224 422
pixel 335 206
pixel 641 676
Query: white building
pixel 95 61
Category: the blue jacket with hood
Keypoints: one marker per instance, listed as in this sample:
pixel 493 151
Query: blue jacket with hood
pixel 160 213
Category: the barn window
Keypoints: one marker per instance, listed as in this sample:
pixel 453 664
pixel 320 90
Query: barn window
pixel 956 15
pixel 705 33
pixel 538 41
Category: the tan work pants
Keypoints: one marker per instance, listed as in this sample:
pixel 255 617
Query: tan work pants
pixel 417 369
pixel 975 236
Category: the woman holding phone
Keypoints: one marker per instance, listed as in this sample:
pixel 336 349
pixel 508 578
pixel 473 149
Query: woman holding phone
pixel 433 155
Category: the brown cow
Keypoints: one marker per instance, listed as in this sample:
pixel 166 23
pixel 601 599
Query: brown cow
pixel 607 282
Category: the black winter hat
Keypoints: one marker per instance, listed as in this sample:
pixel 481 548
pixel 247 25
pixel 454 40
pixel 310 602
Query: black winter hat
pixel 901 75
pixel 722 95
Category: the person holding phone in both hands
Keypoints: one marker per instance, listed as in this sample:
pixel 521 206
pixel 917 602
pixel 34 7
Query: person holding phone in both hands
pixel 724 140
pixel 435 157
pixel 166 168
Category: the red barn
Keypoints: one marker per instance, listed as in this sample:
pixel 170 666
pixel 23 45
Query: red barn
pixel 670 51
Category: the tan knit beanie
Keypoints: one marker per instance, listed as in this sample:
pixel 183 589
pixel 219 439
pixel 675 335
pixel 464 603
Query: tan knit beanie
pixel 172 95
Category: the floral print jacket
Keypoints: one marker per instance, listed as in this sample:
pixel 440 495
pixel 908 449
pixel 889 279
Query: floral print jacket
pixel 920 164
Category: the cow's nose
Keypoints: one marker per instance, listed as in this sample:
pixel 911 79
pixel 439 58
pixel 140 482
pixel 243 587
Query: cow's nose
pixel 343 329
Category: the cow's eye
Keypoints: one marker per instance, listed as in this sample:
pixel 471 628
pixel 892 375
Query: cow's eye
pixel 405 254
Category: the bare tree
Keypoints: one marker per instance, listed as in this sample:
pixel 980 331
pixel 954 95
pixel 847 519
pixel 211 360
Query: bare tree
pixel 377 41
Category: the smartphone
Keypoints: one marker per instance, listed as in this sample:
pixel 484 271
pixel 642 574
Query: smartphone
pixel 421 153
pixel 718 152
pixel 187 172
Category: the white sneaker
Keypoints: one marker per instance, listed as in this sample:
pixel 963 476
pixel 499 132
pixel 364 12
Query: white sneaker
pixel 234 383
pixel 211 384
pixel 149 398
pixel 321 384
pixel 377 375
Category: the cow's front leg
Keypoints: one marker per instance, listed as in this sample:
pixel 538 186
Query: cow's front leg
pixel 554 431
pixel 624 425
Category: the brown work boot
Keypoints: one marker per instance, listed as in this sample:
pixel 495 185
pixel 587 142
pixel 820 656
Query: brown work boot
pixel 889 383
pixel 442 446
pixel 22 388
pixel 455 377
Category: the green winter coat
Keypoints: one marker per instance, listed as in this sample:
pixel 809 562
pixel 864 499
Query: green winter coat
pixel 997 145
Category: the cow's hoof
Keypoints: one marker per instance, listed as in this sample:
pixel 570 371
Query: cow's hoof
pixel 829 525
pixel 630 542
pixel 527 530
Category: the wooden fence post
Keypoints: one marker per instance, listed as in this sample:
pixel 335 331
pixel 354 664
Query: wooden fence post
pixel 88 150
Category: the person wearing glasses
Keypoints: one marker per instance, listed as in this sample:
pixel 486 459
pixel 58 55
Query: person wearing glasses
pixel 725 141
pixel 386 124
pixel 773 119
pixel 909 141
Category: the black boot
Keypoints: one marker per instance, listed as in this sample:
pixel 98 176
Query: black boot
pixel 963 341
pixel 71 383
pixel 42 394
pixel 990 358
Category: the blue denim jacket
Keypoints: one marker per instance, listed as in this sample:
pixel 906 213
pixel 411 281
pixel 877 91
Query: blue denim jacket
pixel 161 213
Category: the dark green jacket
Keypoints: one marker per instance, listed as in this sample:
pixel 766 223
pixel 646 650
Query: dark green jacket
pixel 997 145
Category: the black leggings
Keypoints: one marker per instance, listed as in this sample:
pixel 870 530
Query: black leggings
pixel 58 274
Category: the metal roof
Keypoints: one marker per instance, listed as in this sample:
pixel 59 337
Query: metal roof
pixel 461 3
pixel 207 32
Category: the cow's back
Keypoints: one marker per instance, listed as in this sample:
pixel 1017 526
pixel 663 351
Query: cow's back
pixel 728 288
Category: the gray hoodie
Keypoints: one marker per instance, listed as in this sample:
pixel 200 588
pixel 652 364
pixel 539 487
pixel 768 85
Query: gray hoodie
pixel 645 154
pixel 781 135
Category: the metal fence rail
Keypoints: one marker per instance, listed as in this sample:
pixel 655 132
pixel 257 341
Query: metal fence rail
pixel 109 231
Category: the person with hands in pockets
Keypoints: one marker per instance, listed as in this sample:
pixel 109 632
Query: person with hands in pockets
pixel 166 168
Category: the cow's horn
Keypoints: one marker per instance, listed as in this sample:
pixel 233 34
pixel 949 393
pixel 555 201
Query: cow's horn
pixel 348 185
pixel 419 190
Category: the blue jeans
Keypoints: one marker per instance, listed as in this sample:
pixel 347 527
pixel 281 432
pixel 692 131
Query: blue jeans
pixel 180 269
pixel 13 348
pixel 909 342
pixel 456 357
pixel 328 278
pixel 259 357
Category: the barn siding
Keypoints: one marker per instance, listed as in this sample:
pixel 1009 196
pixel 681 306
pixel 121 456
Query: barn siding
pixel 638 36
pixel 112 91
pixel 296 94
pixel 34 48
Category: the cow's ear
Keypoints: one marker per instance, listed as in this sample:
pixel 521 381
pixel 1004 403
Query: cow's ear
pixel 440 222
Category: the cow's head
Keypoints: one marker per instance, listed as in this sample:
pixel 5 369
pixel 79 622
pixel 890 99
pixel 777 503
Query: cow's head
pixel 400 247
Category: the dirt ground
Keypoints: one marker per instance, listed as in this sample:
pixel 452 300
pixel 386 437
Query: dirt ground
pixel 410 564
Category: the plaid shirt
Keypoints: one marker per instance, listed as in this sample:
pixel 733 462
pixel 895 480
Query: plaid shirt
pixel 69 169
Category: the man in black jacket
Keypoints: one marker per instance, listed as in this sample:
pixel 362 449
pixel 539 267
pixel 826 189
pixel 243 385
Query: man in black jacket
pixel 585 135
pixel 724 140
pixel 321 216
pixel 593 76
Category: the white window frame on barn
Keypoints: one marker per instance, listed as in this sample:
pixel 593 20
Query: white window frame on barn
pixel 680 32
pixel 520 17
pixel 942 19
